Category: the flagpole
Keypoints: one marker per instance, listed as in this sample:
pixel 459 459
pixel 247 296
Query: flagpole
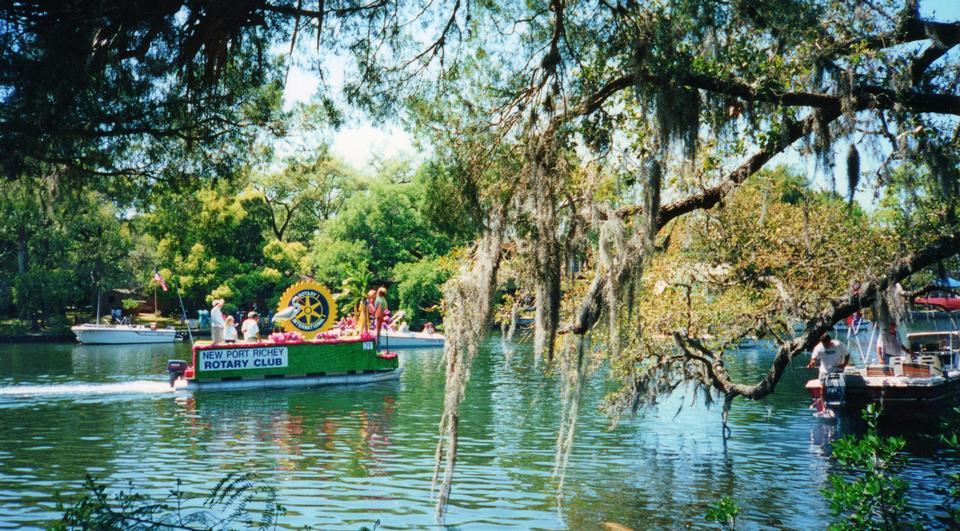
pixel 155 312
pixel 184 310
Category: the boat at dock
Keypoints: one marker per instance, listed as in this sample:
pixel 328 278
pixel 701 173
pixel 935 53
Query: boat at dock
pixel 95 334
pixel 925 381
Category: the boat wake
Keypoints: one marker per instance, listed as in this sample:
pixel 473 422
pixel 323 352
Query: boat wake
pixel 139 387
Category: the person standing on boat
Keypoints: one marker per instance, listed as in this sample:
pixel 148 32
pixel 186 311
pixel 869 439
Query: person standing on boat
pixel 891 344
pixel 380 310
pixel 230 330
pixel 217 322
pixel 832 355
pixel 371 306
pixel 363 314
pixel 251 328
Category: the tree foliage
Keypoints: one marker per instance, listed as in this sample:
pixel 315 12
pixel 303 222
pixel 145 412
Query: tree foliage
pixel 418 287
pixel 381 227
pixel 60 245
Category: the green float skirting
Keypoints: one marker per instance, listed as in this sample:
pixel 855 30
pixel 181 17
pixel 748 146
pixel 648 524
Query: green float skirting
pixel 215 363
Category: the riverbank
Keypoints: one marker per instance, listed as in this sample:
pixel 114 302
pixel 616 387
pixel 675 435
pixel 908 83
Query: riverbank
pixel 39 337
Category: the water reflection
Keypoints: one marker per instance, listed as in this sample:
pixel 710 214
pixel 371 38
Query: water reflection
pixel 300 429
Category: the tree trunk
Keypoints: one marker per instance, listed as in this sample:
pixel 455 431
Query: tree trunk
pixel 21 249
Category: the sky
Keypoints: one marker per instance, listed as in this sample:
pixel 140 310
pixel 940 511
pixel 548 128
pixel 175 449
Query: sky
pixel 360 140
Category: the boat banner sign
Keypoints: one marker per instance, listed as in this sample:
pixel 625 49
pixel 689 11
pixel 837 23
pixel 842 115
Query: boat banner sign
pixel 242 358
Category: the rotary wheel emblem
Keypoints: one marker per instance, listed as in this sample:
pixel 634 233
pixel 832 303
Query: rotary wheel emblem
pixel 316 310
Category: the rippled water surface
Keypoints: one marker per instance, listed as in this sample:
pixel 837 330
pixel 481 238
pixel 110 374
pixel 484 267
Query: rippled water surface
pixel 344 457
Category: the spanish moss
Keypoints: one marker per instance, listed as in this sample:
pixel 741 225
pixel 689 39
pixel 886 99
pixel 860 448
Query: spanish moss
pixel 853 173
pixel 468 300
pixel 572 371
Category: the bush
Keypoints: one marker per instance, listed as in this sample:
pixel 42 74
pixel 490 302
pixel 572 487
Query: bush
pixel 950 438
pixel 870 495
pixel 239 501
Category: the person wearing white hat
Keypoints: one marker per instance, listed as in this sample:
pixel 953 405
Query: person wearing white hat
pixel 251 328
pixel 217 322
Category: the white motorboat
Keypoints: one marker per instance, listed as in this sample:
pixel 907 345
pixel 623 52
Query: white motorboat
pixel 93 334
pixel 393 339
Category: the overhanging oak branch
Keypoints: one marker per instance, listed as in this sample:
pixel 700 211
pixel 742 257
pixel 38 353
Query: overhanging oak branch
pixel 836 310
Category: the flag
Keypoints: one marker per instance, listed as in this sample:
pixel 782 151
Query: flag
pixel 158 278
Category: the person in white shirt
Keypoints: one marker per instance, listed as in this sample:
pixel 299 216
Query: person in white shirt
pixel 217 322
pixel 833 356
pixel 230 330
pixel 251 328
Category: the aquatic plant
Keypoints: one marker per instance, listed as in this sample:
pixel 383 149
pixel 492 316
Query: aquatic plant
pixel 238 500
pixel 724 512
pixel 869 493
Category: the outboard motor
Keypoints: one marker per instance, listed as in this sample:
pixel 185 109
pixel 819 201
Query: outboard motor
pixel 834 390
pixel 176 368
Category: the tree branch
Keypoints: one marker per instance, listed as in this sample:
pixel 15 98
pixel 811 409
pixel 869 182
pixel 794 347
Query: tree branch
pixel 590 308
pixel 837 309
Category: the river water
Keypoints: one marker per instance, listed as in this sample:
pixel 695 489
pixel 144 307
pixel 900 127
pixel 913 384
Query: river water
pixel 345 457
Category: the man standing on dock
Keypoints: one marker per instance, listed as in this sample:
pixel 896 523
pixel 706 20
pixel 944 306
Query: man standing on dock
pixel 217 322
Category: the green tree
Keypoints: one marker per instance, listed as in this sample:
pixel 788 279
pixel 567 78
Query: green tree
pixel 382 227
pixel 66 244
pixel 418 287
pixel 305 194
pixel 215 243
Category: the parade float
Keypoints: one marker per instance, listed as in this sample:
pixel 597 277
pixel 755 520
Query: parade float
pixel 306 353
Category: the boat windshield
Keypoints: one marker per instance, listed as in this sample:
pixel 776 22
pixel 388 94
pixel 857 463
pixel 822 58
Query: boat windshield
pixel 933 343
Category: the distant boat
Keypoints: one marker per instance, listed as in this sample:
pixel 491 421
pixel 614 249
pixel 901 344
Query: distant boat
pixel 94 334
pixel 393 339
pixel 861 324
